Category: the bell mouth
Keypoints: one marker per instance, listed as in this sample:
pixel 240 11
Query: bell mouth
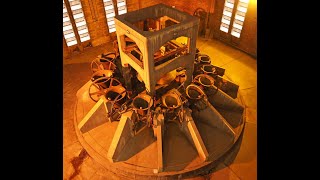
pixel 171 101
pixel 208 69
pixel 142 101
pixel 204 58
pixel 115 93
pixel 194 92
pixel 206 80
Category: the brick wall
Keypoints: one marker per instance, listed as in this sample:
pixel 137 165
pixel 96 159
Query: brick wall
pixel 133 5
pixel 96 21
pixel 189 6
pixel 147 3
pixel 96 18
pixel 66 52
pixel 248 38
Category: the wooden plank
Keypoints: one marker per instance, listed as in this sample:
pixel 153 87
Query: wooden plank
pixel 90 113
pixel 135 60
pixel 160 57
pixel 121 137
pixel 202 150
pixel 159 146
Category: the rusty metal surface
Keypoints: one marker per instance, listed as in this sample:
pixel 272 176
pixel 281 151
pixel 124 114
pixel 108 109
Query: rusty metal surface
pixel 73 80
pixel 139 159
pixel 198 126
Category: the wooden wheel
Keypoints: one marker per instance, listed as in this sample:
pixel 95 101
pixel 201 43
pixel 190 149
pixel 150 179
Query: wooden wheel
pixel 98 87
pixel 104 62
pixel 95 66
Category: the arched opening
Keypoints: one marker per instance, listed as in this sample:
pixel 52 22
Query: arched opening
pixel 172 49
pixel 131 48
pixel 155 24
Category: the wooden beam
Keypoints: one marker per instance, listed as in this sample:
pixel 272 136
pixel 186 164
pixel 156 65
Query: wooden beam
pixel 198 142
pixel 191 131
pixel 195 136
pixel 73 23
pixel 122 135
pixel 159 147
pixel 93 118
pixel 158 121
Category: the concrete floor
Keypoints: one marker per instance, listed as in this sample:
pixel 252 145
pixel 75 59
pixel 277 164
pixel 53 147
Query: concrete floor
pixel 240 68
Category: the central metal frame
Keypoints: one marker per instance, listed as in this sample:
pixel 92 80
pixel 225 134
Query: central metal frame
pixel 192 97
pixel 150 42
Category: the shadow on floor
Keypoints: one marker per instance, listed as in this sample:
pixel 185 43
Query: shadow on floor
pixel 178 152
pixel 226 159
pixel 229 51
pixel 137 144
pixel 230 156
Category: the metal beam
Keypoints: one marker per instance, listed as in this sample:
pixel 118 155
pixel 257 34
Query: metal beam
pixel 158 121
pixel 122 135
pixel 93 118
pixel 191 130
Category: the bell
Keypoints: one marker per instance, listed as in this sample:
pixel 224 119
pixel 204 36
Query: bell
pixel 99 74
pixel 171 100
pixel 141 103
pixel 116 94
pixel 208 69
pixel 204 59
pixel 204 80
pixel 194 92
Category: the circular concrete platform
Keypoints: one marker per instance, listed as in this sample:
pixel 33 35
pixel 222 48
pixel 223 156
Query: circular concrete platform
pixel 139 160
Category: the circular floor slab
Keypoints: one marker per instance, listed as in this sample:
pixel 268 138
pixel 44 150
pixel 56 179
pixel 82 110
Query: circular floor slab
pixel 140 157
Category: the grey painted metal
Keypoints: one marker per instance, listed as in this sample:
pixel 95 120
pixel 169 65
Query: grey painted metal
pixel 150 42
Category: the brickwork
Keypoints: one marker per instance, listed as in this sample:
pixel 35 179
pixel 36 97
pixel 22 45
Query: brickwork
pixel 96 21
pixel 248 38
pixel 188 6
